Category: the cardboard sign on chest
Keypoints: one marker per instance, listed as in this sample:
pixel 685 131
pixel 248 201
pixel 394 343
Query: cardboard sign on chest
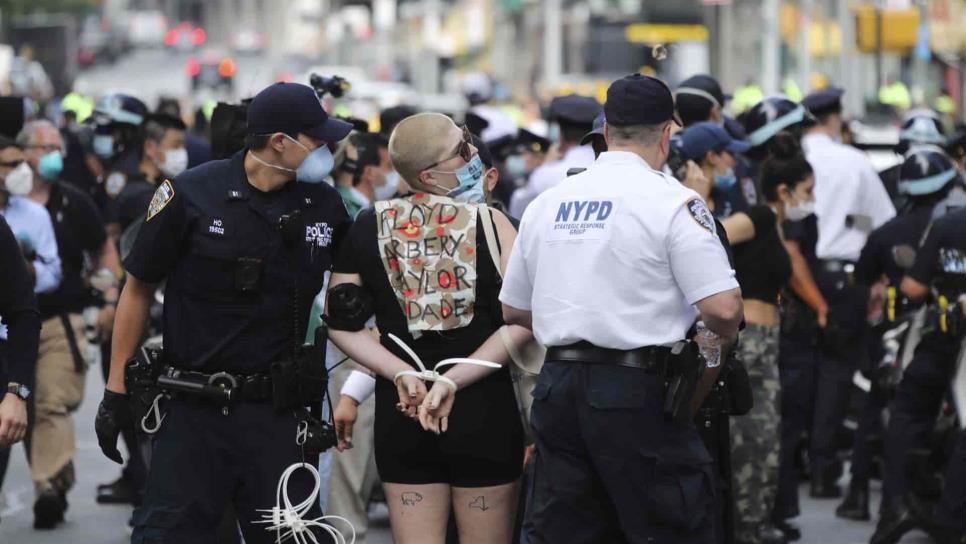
pixel 427 244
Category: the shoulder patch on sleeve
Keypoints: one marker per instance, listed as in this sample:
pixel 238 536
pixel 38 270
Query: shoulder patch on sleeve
pixel 162 196
pixel 701 214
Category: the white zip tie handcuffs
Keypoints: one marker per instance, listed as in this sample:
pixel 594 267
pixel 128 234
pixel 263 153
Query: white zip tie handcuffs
pixel 432 375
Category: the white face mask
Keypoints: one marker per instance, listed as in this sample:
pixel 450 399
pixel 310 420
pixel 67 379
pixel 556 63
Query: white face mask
pixel 20 180
pixel 175 162
pixel 389 188
pixel 799 211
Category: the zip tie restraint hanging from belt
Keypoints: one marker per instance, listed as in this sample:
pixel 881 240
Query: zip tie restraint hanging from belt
pixel 286 519
pixel 432 375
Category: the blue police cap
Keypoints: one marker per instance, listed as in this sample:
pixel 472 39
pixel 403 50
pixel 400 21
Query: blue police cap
pixel 824 101
pixel 639 100
pixel 574 109
pixel 293 108
pixel 700 138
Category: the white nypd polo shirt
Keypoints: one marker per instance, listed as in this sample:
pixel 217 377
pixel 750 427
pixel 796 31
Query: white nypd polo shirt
pixel 616 256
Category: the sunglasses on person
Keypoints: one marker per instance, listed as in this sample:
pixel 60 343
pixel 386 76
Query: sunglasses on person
pixel 463 150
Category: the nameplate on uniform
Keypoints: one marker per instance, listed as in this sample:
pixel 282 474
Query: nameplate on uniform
pixel 163 195
pixel 428 249
pixel 577 220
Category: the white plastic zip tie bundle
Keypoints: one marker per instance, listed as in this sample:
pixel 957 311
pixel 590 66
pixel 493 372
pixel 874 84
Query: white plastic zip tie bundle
pixel 432 375
pixel 288 521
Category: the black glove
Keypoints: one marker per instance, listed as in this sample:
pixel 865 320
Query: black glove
pixel 113 414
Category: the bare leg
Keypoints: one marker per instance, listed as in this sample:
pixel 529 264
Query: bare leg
pixel 486 515
pixel 418 513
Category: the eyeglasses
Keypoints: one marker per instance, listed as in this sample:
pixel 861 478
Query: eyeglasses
pixel 11 164
pixel 48 147
pixel 463 150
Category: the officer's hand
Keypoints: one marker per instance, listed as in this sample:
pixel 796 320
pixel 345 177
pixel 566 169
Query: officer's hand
pixel 411 391
pixel 13 420
pixel 435 408
pixel 113 413
pixel 346 413
pixel 105 322
pixel 822 318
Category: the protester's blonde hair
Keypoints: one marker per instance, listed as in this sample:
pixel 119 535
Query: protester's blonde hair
pixel 417 142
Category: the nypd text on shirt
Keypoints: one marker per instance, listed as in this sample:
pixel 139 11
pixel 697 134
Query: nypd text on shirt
pixel 581 217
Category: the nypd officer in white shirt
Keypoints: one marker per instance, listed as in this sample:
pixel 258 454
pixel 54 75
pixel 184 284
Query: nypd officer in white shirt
pixel 611 267
pixel 850 202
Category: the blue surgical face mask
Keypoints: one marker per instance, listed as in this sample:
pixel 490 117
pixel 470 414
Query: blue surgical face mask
pixel 725 181
pixel 316 166
pixel 103 145
pixel 50 166
pixel 470 177
pixel 516 165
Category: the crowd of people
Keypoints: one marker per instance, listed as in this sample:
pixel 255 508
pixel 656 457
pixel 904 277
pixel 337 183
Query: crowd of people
pixel 710 299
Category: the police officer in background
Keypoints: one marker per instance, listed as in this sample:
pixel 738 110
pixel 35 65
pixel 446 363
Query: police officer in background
pixel 885 259
pixel 611 465
pixel 850 202
pixel 243 249
pixel 574 115
pixel 913 412
pixel 919 128
pixel 699 99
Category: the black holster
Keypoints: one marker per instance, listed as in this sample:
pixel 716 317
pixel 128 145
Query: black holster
pixel 141 379
pixel 740 397
pixel 684 368
pixel 301 382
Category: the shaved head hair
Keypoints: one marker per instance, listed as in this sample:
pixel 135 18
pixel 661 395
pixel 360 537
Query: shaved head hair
pixel 419 141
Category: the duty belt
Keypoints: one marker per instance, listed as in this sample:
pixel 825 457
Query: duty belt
pixel 838 265
pixel 650 359
pixel 220 386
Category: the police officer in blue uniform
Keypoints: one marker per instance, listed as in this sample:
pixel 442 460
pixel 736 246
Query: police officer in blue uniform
pixel 938 268
pixel 614 462
pixel 243 249
pixel 889 253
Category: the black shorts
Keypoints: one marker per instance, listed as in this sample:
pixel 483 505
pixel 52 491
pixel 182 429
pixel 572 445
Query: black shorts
pixel 482 447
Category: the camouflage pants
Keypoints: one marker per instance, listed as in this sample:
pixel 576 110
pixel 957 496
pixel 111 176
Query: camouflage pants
pixel 755 436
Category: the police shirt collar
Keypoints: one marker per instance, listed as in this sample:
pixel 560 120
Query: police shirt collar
pixel 815 139
pixel 622 157
pixel 238 187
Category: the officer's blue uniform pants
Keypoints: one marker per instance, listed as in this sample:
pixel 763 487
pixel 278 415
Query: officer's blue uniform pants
pixel 951 510
pixel 202 459
pixel 610 468
pixel 798 361
pixel 912 415
pixel 833 389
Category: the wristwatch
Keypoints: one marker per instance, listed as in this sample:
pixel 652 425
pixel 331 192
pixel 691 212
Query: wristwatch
pixel 19 390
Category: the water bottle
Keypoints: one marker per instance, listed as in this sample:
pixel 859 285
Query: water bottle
pixel 709 344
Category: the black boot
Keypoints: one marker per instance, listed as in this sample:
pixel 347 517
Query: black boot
pixel 923 512
pixel 893 523
pixel 120 491
pixel 792 532
pixel 856 503
pixel 49 509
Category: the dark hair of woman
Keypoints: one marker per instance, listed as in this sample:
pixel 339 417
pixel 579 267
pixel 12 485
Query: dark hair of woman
pixel 785 164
